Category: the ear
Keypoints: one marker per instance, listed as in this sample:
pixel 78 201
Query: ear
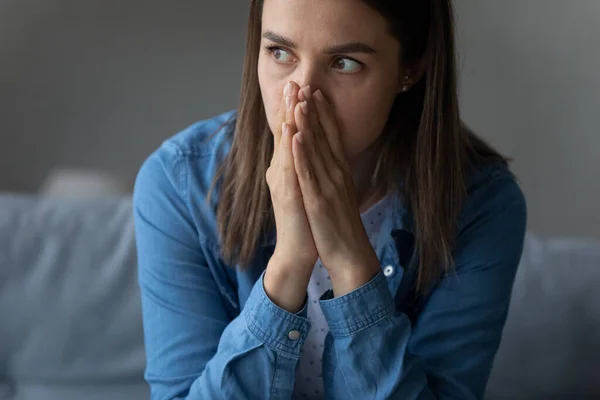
pixel 410 74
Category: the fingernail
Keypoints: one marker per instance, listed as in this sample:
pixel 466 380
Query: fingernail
pixel 288 102
pixel 307 92
pixel 284 128
pixel 299 137
pixel 287 91
pixel 304 108
pixel 319 95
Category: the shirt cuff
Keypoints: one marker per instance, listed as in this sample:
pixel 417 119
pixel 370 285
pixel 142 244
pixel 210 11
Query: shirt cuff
pixel 359 309
pixel 277 328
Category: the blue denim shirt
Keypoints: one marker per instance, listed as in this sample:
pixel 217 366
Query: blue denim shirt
pixel 212 333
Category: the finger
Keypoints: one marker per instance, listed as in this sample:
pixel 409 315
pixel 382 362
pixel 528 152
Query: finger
pixel 304 172
pixel 306 95
pixel 278 147
pixel 288 169
pixel 315 148
pixel 277 132
pixel 315 158
pixel 329 124
pixel 310 122
pixel 302 115
pixel 287 101
pixel 291 105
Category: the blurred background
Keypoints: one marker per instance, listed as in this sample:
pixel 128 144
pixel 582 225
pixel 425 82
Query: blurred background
pixel 89 88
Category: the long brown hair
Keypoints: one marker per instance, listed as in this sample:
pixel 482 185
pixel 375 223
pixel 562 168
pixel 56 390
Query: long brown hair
pixel 424 145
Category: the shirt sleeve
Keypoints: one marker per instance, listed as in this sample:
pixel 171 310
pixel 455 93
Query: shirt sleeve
pixel 449 351
pixel 194 349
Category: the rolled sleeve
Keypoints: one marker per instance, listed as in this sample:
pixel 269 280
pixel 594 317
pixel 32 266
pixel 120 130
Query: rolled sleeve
pixel 272 324
pixel 359 309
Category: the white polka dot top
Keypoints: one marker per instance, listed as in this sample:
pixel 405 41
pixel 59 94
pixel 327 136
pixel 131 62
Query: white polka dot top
pixel 309 378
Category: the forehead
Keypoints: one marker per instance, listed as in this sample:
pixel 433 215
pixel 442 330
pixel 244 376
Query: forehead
pixel 324 22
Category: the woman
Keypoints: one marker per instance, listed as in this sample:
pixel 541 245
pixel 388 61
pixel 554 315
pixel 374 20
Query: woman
pixel 359 243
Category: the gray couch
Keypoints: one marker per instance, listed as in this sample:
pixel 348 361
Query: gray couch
pixel 70 324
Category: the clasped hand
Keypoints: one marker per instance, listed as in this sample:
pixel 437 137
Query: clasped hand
pixel 314 197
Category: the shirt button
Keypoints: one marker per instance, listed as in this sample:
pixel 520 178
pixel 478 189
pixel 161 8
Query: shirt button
pixel 388 271
pixel 294 335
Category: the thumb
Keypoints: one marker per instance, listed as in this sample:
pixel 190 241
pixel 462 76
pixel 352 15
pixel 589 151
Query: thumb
pixel 289 99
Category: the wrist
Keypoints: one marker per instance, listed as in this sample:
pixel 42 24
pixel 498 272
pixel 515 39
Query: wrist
pixel 347 279
pixel 285 285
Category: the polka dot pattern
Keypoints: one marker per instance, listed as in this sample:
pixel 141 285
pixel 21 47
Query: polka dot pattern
pixel 309 378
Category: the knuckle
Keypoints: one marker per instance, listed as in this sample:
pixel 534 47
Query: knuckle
pixel 307 173
pixel 269 175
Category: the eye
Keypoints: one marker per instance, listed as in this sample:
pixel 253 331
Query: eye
pixel 279 54
pixel 347 65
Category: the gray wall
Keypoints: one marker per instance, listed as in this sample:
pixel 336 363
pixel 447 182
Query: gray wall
pixel 531 85
pixel 101 83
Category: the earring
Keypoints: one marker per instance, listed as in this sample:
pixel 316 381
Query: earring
pixel 406 80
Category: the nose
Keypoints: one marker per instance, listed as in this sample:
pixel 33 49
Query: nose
pixel 309 74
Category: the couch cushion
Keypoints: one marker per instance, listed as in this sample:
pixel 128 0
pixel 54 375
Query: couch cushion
pixel 69 299
pixel 116 391
pixel 551 341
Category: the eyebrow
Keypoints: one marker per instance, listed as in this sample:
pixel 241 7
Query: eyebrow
pixel 354 47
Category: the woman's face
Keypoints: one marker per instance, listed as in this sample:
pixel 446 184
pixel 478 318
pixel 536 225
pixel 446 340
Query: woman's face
pixel 340 47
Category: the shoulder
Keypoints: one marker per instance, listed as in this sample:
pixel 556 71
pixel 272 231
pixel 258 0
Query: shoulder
pixel 492 189
pixel 493 220
pixel 200 139
pixel 180 172
pixel 194 147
